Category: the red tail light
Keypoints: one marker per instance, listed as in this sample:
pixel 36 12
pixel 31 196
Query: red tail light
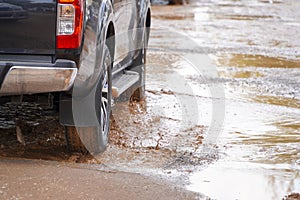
pixel 69 24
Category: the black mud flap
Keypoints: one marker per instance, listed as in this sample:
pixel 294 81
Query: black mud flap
pixel 65 110
pixel 79 112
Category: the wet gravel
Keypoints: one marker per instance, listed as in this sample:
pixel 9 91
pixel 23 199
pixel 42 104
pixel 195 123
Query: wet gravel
pixel 253 47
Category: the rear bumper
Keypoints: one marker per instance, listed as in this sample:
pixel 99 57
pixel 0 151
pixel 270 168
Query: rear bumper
pixel 31 78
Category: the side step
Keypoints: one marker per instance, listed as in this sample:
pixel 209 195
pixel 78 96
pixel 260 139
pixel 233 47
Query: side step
pixel 123 82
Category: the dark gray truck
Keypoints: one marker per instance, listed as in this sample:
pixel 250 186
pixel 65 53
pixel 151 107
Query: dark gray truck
pixel 77 56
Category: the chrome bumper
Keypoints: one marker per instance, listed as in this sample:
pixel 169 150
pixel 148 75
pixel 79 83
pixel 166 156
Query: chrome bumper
pixel 33 79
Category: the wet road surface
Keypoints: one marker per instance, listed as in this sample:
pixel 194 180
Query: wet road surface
pixel 31 179
pixel 222 113
pixel 254 47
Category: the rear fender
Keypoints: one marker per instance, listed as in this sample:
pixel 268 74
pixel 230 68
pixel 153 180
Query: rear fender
pixel 144 6
pixel 97 20
pixel 98 16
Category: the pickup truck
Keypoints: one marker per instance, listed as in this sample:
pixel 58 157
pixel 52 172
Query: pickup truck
pixel 77 56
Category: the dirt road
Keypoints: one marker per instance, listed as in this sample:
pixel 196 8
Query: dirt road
pixel 29 179
pixel 221 116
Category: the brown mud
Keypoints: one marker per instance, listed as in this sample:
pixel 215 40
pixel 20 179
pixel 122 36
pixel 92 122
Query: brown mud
pixel 254 50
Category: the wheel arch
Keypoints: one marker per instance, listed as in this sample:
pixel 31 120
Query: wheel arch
pixel 148 18
pixel 110 39
pixel 97 30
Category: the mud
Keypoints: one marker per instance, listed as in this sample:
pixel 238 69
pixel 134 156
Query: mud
pixel 42 135
pixel 254 49
pixel 247 49
pixel 293 196
pixel 32 179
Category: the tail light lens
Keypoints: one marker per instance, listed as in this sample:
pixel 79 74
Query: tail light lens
pixel 69 24
pixel 66 19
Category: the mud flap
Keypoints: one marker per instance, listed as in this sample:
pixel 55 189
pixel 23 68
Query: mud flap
pixel 77 112
pixel 65 110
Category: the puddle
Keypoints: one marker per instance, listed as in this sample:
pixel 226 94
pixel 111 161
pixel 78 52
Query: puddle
pixel 254 48
pixel 279 101
pixel 246 17
pixel 244 27
pixel 239 74
pixel 259 78
pixel 174 17
pixel 260 148
pixel 257 154
pixel 242 60
pixel 242 181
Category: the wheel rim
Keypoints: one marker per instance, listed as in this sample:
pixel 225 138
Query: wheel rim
pixel 105 101
pixel 104 113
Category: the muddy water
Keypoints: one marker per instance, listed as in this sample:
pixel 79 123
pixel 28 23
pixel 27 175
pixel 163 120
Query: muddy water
pixel 255 49
pixel 206 59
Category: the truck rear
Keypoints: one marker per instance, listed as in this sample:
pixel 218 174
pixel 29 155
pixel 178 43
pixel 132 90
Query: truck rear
pixel 31 35
pixel 62 53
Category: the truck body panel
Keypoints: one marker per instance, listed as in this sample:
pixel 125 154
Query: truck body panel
pixel 27 27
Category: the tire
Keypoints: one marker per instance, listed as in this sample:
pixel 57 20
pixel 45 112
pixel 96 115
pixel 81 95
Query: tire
pixel 139 65
pixel 94 139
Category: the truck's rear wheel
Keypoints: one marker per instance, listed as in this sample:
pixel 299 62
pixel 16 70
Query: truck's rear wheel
pixel 95 139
